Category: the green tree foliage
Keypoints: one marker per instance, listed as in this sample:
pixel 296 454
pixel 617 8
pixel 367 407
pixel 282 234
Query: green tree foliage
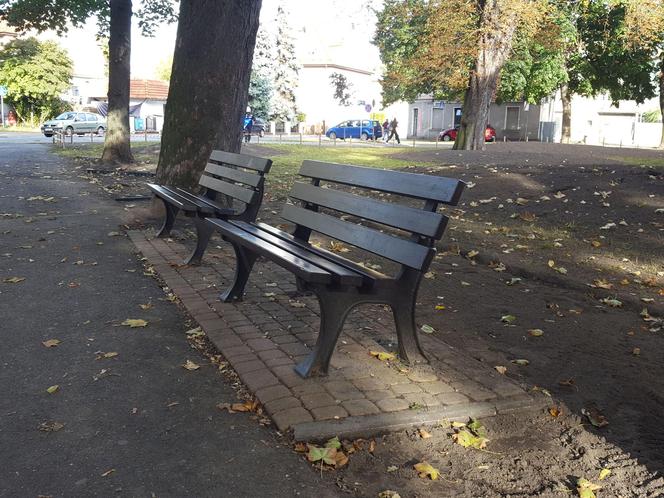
pixel 341 88
pixel 260 95
pixel 163 70
pixel 35 74
pixel 285 71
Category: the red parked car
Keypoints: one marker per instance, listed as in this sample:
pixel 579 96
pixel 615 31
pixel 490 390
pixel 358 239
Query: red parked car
pixel 449 135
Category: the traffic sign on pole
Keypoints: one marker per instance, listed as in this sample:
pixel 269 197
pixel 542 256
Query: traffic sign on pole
pixel 3 91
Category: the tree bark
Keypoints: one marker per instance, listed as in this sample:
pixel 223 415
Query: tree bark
pixel 661 96
pixel 209 86
pixel 116 145
pixel 566 98
pixel 495 44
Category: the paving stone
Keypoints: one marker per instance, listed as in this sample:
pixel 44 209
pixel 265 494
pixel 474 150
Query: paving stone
pixel 294 349
pixel 283 339
pixel 406 389
pixel 378 395
pixel 342 390
pixel 236 351
pixel 261 344
pixel 329 412
pixel 358 407
pixel 267 394
pixel 287 375
pixel 248 366
pixel 291 417
pixel 270 354
pixel 452 398
pixel 257 379
pixel 392 404
pixel 308 387
pixel 370 384
pixel 422 399
pixel 276 362
pixel 281 404
pixel 419 374
pixel 436 387
pixel 317 400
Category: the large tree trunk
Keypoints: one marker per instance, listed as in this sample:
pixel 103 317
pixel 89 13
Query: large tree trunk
pixel 566 98
pixel 116 145
pixel 497 31
pixel 661 97
pixel 208 94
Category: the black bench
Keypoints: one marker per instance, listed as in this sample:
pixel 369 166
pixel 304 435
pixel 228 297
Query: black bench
pixel 239 176
pixel 341 284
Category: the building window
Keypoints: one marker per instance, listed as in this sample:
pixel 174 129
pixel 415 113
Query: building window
pixel 416 116
pixel 457 117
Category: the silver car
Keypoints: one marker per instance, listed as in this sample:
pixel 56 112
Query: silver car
pixel 75 122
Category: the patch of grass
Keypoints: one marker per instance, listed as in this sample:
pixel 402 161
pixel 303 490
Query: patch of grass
pixel 288 159
pixel 648 162
pixel 145 153
pixel 20 129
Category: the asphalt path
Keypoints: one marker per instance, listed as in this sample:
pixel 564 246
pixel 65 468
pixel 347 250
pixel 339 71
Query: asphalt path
pixel 134 424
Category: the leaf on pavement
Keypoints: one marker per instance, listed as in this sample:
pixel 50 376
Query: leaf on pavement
pixel 604 473
pixel 554 411
pixel 190 365
pixel 146 306
pixel 595 417
pixel 521 362
pixel 13 280
pixel 425 470
pixel 612 302
pixel 467 439
pixel 326 455
pixel 427 329
pixel 500 369
pixel 50 426
pixel 424 434
pixel 508 319
pixel 53 389
pixel 108 472
pixel 382 356
pixel 51 343
pixel 536 332
pixel 600 283
pixel 135 322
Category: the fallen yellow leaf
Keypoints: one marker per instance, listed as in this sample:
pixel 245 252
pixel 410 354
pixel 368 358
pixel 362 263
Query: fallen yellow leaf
pixel 536 332
pixel 51 343
pixel 382 356
pixel 604 473
pixel 425 470
pixel 13 280
pixel 500 369
pixel 586 489
pixel 190 365
pixel 135 322
pixel 554 411
pixel 424 434
pixel 53 389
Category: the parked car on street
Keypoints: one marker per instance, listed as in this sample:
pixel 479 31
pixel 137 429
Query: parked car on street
pixel 75 122
pixel 364 129
pixel 257 128
pixel 451 134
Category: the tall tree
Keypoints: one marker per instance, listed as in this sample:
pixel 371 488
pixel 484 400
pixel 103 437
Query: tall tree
pixel 260 95
pixel 208 93
pixel 114 20
pixel 36 74
pixel 286 69
pixel 340 88
pixel 451 48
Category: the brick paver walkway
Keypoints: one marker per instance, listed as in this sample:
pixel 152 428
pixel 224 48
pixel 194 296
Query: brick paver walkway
pixel 265 335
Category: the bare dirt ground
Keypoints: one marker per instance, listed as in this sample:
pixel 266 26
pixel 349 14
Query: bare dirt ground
pixel 554 256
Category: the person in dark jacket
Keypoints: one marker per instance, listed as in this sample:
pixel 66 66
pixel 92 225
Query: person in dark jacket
pixel 393 130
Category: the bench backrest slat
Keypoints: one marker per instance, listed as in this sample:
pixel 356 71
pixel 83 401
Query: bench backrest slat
pixel 244 161
pixel 394 215
pixel 402 251
pixel 238 175
pixel 248 196
pixel 436 188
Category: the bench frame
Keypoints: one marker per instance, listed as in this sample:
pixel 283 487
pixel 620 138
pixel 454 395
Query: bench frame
pixel 340 284
pixel 221 176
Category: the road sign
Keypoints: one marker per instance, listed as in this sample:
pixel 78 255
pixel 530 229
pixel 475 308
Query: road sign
pixel 367 107
pixel 3 91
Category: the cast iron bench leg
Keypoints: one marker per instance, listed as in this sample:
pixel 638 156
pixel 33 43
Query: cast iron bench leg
pixel 203 233
pixel 171 213
pixel 334 308
pixel 409 344
pixel 244 263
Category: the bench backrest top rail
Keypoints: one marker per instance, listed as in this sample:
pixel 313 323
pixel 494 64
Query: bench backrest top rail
pixel 236 175
pixel 427 187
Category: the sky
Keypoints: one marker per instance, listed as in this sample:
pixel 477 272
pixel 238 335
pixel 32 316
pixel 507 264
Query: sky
pixel 338 31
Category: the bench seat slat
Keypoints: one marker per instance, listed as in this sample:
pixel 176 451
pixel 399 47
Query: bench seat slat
pixel 172 197
pixel 369 274
pixel 242 160
pixel 440 189
pixel 400 250
pixel 298 266
pixel 237 175
pixel 345 276
pixel 245 195
pixel 206 205
pixel 394 215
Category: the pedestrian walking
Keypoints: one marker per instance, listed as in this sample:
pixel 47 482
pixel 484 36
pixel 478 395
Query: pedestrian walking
pixel 386 129
pixel 393 130
pixel 248 127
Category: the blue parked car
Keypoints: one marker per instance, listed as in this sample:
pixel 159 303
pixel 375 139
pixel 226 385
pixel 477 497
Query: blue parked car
pixel 365 129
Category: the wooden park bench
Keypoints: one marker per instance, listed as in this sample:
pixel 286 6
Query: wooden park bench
pixel 239 176
pixel 341 284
